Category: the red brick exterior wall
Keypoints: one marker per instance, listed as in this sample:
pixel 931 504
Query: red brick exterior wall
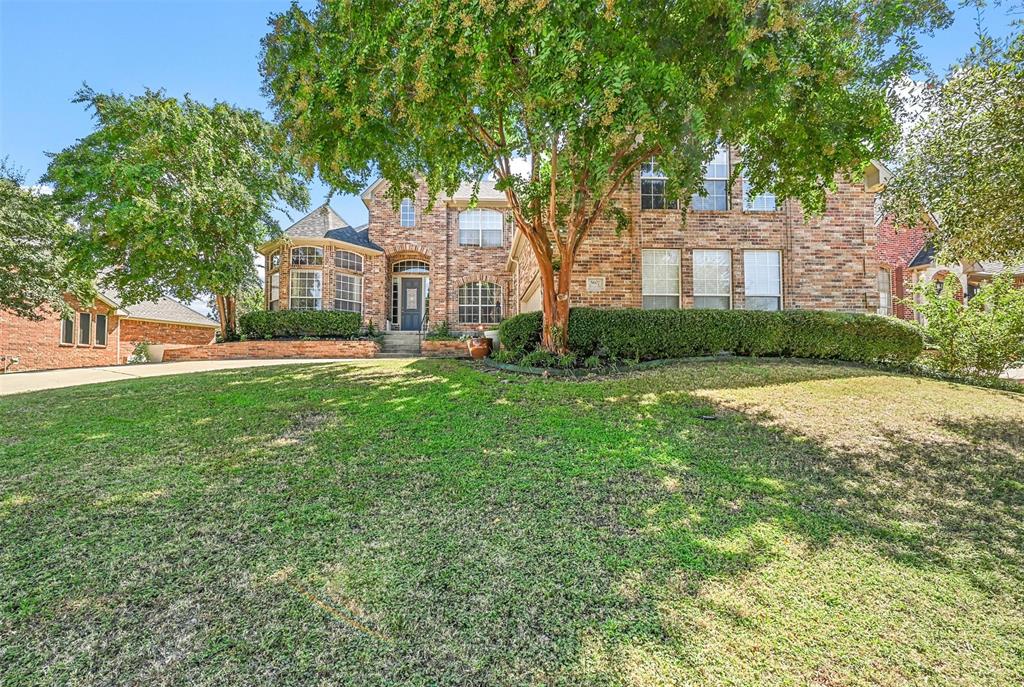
pixel 136 331
pixel 894 251
pixel 37 343
pixel 239 350
pixel 440 348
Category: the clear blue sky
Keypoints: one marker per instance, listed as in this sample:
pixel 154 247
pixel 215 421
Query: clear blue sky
pixel 209 49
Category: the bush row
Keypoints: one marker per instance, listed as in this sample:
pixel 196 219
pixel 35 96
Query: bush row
pixel 292 323
pixel 660 334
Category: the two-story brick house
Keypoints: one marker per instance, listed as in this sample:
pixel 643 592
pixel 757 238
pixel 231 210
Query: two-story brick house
pixel 412 268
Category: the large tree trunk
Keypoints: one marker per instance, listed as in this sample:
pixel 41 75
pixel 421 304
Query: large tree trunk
pixel 227 314
pixel 555 290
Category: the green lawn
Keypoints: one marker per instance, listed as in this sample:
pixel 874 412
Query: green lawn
pixel 428 523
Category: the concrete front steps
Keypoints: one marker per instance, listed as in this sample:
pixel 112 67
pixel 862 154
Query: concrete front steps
pixel 400 345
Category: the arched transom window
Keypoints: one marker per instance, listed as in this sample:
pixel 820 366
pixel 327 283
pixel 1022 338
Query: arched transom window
pixel 347 260
pixel 480 227
pixel 410 266
pixel 479 303
pixel 307 255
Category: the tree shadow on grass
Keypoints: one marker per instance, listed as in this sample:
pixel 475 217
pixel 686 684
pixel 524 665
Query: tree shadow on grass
pixel 428 524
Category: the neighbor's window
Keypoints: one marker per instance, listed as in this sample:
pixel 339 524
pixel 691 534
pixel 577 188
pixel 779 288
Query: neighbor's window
pixel 84 328
pixel 762 278
pixel 660 279
pixel 348 293
pixel 652 188
pixel 763 202
pixel 884 292
pixel 716 183
pixel 347 260
pixel 479 227
pixel 101 330
pixel 305 290
pixel 407 213
pixel 275 290
pixel 307 255
pixel 67 330
pixel 712 279
pixel 479 302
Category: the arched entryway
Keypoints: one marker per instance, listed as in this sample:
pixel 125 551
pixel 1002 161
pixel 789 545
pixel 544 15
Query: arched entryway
pixel 410 293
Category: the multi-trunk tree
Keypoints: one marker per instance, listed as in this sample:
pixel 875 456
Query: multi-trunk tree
pixel 585 92
pixel 172 197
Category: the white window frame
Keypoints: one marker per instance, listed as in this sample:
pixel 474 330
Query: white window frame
pixel 275 260
pixel 651 178
pixel 755 266
pixel 885 294
pixel 70 341
pixel 85 332
pixel 275 291
pixel 354 302
pixel 712 286
pixel 716 171
pixel 763 202
pixel 293 288
pixel 657 277
pixel 316 259
pixel 473 310
pixel 97 330
pixel 347 260
pixel 407 213
pixel 474 230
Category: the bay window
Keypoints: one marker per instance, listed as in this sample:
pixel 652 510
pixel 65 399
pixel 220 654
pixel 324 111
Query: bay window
pixel 348 293
pixel 305 289
pixel 307 255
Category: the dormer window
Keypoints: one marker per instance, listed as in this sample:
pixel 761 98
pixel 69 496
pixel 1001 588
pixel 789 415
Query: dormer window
pixel 407 213
pixel 716 183
pixel 307 255
pixel 652 188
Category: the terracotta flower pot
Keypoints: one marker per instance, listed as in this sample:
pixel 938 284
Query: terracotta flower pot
pixel 479 347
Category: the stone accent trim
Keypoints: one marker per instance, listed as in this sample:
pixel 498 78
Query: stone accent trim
pixel 262 350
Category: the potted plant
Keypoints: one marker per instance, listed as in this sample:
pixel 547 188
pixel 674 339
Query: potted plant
pixel 479 345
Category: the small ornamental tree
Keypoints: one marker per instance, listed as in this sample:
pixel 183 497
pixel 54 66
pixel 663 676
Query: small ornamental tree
pixel 983 337
pixel 584 92
pixel 172 197
pixel 963 161
pixel 34 272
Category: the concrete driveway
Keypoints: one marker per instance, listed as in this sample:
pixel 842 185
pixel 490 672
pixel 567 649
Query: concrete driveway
pixel 54 379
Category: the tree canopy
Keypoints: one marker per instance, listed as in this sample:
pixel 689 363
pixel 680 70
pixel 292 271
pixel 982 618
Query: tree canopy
pixel 172 196
pixel 586 91
pixel 963 161
pixel 34 272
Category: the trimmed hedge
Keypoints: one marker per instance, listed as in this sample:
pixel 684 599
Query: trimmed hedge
pixel 278 324
pixel 661 334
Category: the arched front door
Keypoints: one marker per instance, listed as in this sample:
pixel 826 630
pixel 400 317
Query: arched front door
pixel 410 294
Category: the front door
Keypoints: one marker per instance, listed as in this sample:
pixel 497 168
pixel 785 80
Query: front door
pixel 412 303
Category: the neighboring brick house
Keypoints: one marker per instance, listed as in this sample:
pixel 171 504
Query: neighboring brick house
pixel 896 250
pixel 468 267
pixel 102 333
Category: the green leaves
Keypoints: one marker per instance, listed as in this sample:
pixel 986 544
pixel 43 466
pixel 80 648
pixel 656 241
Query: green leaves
pixel 171 197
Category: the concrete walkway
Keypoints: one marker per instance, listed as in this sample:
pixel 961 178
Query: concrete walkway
pixel 54 379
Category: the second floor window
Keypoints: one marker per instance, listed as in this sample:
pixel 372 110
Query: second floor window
pixel 307 255
pixel 479 227
pixel 763 202
pixel 347 260
pixel 716 183
pixel 652 188
pixel 407 213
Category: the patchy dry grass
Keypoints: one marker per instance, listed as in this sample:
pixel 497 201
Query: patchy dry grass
pixel 739 523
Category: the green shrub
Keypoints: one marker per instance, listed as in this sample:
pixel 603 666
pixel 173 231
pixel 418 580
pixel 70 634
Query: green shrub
pixel 539 359
pixel 983 337
pixel 661 334
pixel 507 357
pixel 299 323
pixel 520 333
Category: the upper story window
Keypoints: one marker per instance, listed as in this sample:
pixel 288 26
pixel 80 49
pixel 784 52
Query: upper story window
pixel 479 303
pixel 479 227
pixel 307 255
pixel 347 260
pixel 305 289
pixel 407 213
pixel 763 202
pixel 275 260
pixel 716 183
pixel 652 188
pixel 410 266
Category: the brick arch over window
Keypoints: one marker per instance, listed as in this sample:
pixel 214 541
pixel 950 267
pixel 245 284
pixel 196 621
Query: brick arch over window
pixel 480 276
pixel 408 251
